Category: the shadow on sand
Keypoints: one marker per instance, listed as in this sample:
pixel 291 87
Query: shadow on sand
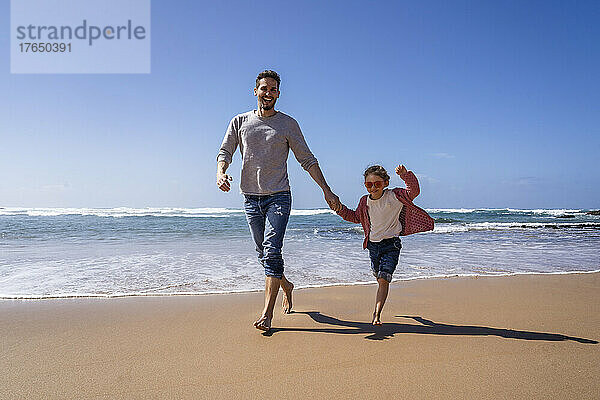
pixel 427 327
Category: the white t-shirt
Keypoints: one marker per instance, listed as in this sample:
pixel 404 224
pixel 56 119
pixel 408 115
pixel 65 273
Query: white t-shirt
pixel 384 214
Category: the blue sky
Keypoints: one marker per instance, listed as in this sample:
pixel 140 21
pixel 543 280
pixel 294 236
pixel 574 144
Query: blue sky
pixel 491 104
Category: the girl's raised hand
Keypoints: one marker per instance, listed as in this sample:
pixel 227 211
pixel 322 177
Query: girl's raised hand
pixel 400 169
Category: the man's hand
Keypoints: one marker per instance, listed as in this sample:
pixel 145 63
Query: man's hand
pixel 401 169
pixel 332 200
pixel 223 182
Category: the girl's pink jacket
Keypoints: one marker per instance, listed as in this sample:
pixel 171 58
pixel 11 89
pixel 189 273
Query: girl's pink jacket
pixel 413 218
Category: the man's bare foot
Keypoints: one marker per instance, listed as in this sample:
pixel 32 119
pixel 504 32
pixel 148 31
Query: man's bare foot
pixel 376 319
pixel 287 298
pixel 263 323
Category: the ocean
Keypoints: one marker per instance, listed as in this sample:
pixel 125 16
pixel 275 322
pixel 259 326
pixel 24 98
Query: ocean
pixel 113 252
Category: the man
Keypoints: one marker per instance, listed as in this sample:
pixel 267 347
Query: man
pixel 265 137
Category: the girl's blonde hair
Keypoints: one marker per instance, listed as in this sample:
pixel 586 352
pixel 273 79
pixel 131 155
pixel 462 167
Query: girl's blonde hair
pixel 377 170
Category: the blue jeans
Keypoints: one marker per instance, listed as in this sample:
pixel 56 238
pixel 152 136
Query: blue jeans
pixel 269 213
pixel 384 257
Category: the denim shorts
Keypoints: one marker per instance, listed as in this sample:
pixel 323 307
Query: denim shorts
pixel 384 257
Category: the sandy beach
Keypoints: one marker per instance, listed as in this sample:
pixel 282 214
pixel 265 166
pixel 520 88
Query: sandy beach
pixel 515 337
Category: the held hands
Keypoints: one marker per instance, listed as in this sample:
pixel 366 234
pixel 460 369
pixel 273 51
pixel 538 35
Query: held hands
pixel 332 200
pixel 401 169
pixel 223 182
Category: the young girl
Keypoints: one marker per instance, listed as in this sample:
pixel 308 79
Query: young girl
pixel 385 215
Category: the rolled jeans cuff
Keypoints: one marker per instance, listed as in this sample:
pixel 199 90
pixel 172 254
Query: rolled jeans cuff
pixel 273 274
pixel 385 275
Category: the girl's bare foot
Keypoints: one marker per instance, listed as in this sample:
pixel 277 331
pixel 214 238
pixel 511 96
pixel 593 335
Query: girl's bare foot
pixel 287 297
pixel 263 323
pixel 376 319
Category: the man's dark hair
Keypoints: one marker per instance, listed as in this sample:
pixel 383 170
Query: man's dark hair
pixel 377 170
pixel 269 74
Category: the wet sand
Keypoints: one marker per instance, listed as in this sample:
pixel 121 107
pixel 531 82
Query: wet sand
pixel 515 337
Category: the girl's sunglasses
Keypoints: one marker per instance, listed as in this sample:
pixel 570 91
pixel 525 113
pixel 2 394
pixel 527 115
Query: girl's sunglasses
pixel 378 184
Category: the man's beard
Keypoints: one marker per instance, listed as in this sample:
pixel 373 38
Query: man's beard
pixel 267 105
